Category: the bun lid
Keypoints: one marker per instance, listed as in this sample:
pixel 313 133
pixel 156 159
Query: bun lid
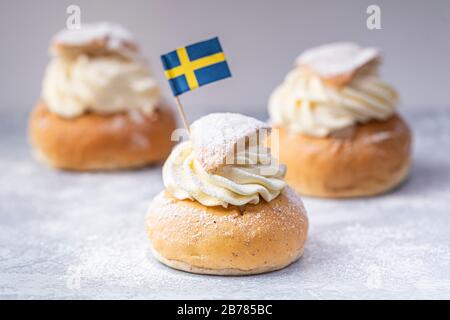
pixel 215 137
pixel 99 38
pixel 338 63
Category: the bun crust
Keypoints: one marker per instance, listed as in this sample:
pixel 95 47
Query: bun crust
pixel 101 142
pixel 188 236
pixel 364 160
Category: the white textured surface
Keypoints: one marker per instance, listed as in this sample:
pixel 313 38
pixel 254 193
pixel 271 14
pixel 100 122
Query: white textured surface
pixel 57 228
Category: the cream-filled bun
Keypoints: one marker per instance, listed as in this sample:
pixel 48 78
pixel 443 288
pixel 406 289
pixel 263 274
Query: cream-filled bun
pixel 226 208
pixel 100 106
pixel 340 134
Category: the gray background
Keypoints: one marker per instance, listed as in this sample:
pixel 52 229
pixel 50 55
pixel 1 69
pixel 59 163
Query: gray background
pixel 261 40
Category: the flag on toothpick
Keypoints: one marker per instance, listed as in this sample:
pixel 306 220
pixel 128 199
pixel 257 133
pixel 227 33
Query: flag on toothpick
pixel 195 65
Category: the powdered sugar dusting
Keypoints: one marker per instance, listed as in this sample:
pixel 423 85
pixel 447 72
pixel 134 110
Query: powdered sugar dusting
pixel 116 37
pixel 69 235
pixel 336 59
pixel 139 141
pixel 215 135
pixel 118 123
pixel 136 116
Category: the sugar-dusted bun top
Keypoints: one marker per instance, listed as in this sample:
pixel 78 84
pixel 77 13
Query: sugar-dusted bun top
pixel 337 62
pixel 216 136
pixel 332 87
pixel 95 38
pixel 225 162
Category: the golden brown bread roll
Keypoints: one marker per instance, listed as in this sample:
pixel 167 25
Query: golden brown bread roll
pixel 244 240
pixel 101 142
pixel 363 160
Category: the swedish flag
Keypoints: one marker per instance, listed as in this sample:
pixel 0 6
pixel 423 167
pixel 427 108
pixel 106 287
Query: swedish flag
pixel 195 65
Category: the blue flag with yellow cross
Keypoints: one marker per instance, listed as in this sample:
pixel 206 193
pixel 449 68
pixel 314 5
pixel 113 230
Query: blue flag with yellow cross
pixel 195 65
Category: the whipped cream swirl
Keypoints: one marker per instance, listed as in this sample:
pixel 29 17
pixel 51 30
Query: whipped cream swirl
pixel 105 84
pixel 304 103
pixel 232 184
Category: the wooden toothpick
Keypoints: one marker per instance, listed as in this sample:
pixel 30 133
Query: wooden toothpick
pixel 182 114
